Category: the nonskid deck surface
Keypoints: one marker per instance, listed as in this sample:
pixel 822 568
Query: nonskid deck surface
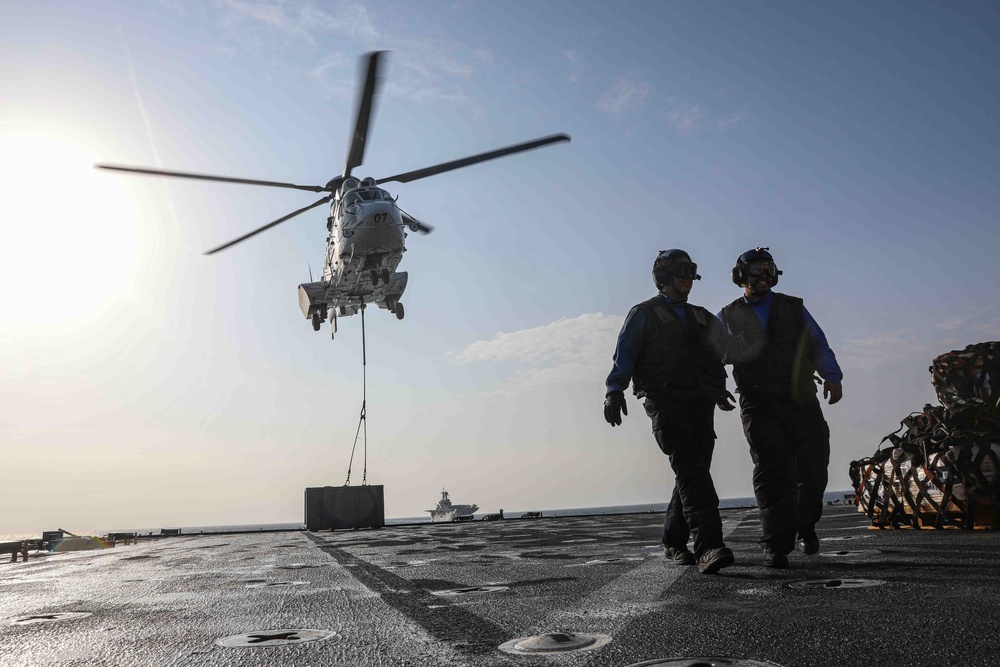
pixel 452 594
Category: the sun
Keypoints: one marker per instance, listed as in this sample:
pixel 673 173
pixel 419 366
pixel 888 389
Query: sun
pixel 69 238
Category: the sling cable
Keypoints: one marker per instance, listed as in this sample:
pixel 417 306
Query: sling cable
pixel 363 421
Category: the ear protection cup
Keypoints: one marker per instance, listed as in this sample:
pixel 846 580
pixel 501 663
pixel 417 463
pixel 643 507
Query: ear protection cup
pixel 737 275
pixel 661 277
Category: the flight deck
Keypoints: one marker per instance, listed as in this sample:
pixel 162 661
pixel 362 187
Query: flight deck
pixel 588 591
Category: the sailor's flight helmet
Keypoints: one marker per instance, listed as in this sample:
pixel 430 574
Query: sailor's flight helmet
pixel 673 262
pixel 754 263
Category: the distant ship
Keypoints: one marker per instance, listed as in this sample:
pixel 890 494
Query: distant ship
pixel 446 511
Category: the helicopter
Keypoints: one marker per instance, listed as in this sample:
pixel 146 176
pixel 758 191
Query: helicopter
pixel 366 237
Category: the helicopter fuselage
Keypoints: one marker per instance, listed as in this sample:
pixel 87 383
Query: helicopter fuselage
pixel 365 244
pixel 366 233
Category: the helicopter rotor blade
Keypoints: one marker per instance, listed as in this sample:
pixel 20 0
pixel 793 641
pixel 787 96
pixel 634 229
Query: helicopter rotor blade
pixel 416 224
pixel 268 226
pixel 474 159
pixel 207 177
pixel 366 102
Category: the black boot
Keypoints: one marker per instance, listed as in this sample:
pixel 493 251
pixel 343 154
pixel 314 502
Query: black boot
pixel 808 543
pixel 714 560
pixel 775 559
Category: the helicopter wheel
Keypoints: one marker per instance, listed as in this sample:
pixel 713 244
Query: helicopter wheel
pixel 374 277
pixel 385 275
pixel 398 310
pixel 317 322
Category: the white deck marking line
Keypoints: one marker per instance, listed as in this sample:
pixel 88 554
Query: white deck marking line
pixel 635 592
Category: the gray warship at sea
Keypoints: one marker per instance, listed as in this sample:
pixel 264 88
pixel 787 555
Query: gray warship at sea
pixel 588 590
pixel 449 511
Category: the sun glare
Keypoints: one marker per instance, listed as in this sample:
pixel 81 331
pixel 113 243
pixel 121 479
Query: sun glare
pixel 69 235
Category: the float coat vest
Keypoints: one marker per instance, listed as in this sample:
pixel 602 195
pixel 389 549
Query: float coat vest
pixel 782 361
pixel 677 360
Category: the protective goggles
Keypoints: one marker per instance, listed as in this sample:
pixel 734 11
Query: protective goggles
pixel 759 268
pixel 683 269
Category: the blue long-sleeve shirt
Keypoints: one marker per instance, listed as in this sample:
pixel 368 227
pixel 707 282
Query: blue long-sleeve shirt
pixel 826 360
pixel 630 342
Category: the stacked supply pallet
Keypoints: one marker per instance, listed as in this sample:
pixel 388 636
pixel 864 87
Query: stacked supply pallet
pixel 939 469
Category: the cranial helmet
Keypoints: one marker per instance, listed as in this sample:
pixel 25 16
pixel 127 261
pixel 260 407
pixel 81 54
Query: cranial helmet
pixel 673 262
pixel 754 263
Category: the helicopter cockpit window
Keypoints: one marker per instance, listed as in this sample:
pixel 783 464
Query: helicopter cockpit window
pixel 352 198
pixel 375 194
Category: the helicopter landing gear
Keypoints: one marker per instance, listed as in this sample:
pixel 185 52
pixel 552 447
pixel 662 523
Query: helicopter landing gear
pixel 385 275
pixel 398 310
pixel 374 273
pixel 317 322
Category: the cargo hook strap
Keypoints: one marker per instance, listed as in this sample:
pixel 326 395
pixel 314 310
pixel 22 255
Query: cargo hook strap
pixel 363 421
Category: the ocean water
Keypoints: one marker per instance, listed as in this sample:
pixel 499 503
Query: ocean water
pixel 726 503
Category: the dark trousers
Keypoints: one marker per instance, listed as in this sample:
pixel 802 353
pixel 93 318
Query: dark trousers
pixel 685 432
pixel 790 447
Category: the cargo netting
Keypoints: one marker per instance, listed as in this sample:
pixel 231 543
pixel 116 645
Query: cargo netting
pixel 939 469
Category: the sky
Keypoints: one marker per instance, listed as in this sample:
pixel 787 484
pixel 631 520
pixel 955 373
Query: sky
pixel 144 384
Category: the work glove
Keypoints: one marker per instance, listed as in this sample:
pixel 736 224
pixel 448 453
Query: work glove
pixel 614 407
pixel 726 401
pixel 833 391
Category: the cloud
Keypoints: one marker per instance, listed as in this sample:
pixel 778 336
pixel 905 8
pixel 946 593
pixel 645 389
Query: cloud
pixel 418 70
pixel 434 71
pixel 329 66
pixel 919 346
pixel 350 18
pixel 975 328
pixel 730 123
pixel 567 350
pixel 884 347
pixel 485 55
pixel 306 20
pixel 627 94
pixel 571 59
pixel 690 118
pixel 270 15
pixel 431 58
pixel 175 6
pixel 686 119
pixel 426 70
